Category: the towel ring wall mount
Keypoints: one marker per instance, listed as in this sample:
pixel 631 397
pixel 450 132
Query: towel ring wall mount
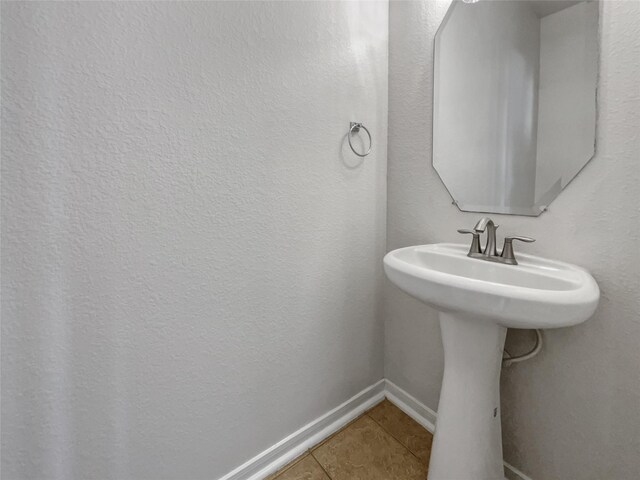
pixel 355 127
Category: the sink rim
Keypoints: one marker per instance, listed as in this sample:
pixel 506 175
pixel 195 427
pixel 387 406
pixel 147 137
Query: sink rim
pixel 505 303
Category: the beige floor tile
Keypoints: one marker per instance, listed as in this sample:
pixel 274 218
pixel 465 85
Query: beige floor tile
pixel 306 468
pixel 404 428
pixel 338 431
pixel 365 451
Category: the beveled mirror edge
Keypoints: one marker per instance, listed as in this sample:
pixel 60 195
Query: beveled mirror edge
pixel 539 207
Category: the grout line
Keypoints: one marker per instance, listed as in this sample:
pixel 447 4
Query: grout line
pixel 309 451
pixel 318 445
pixel 397 440
pixel 391 434
pixel 321 466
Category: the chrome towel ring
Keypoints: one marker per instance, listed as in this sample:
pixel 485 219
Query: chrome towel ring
pixel 355 128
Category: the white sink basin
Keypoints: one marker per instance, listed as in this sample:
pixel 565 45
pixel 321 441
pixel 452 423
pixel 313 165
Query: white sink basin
pixel 478 301
pixel 536 293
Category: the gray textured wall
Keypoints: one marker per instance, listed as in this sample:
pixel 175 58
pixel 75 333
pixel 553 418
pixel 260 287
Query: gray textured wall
pixel 572 412
pixel 190 253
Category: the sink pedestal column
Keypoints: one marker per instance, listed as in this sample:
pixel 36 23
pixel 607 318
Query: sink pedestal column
pixel 468 438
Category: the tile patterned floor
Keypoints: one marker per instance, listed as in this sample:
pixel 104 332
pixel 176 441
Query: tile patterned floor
pixel 382 444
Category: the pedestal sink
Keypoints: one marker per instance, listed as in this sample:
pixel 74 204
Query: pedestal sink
pixel 477 301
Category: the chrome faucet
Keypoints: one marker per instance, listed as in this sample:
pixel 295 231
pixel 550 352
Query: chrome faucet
pixel 490 252
pixel 485 223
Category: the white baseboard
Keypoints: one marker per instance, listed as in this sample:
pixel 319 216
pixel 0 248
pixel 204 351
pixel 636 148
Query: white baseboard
pixel 297 443
pixel 512 473
pixel 411 406
pixel 313 433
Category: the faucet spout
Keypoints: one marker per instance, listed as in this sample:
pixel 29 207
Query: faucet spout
pixel 482 224
pixel 485 223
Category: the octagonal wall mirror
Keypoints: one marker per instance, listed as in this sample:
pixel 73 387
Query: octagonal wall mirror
pixel 514 114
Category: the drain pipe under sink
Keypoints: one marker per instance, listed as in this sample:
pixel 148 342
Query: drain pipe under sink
pixel 507 362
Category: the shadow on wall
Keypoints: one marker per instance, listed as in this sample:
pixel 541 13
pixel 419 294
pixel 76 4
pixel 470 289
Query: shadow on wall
pixel 346 155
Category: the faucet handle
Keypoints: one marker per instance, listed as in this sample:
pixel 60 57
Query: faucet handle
pixel 518 237
pixel 507 254
pixel 475 242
